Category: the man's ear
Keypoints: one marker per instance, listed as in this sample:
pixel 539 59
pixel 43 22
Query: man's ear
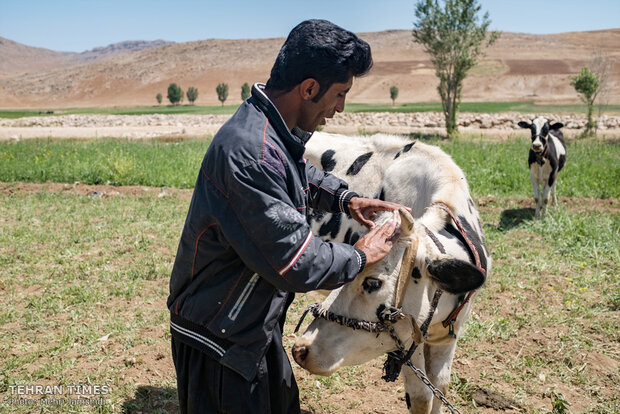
pixel 308 89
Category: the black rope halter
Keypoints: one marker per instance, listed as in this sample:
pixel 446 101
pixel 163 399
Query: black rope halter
pixel 387 316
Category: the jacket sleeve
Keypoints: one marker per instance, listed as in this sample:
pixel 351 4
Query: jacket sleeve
pixel 273 238
pixel 328 192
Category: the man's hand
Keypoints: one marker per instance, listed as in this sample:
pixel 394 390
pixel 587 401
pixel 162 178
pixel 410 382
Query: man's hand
pixel 377 243
pixel 363 210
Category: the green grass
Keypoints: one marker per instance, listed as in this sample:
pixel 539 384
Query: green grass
pixel 119 110
pixel 74 270
pixel 501 169
pixel 481 107
pixel 104 161
pixel 551 302
pixel 498 168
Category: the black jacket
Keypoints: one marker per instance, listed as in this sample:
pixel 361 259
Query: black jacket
pixel 246 243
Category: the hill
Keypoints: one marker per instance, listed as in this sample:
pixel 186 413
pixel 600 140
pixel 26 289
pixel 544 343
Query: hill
pixel 18 58
pixel 518 67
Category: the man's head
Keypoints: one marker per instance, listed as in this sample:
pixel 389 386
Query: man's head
pixel 320 59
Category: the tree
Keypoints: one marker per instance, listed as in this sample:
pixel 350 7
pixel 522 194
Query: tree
pixel 602 67
pixel 159 98
pixel 450 32
pixel 192 94
pixel 175 93
pixel 245 91
pixel 586 84
pixel 393 94
pixel 222 92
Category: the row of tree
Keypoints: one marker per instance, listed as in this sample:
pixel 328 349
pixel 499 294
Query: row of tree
pixel 176 94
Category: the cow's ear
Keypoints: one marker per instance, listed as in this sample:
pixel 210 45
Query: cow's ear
pixel 556 126
pixel 524 124
pixel 456 276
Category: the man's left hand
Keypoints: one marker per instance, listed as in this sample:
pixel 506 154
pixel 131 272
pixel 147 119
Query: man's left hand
pixel 363 210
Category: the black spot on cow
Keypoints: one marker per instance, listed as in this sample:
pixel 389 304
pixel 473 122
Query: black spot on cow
pixel 415 273
pixel 382 194
pixel 315 215
pixel 475 239
pixel 408 147
pixel 351 237
pixel 471 205
pixel 328 163
pixel 408 400
pixel 450 232
pixel 359 162
pixel 331 227
pixel 348 236
pixel 397 155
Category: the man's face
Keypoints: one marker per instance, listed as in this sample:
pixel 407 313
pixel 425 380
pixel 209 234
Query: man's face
pixel 314 114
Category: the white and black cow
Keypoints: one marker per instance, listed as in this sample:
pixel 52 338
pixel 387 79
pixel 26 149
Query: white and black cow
pixel 546 159
pixel 447 235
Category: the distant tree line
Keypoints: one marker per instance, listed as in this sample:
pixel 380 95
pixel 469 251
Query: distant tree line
pixel 176 94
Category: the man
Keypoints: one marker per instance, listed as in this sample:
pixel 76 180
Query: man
pixel 247 246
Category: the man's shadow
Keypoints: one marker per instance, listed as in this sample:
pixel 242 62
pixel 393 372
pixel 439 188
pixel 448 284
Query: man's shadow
pixel 150 400
pixel 514 217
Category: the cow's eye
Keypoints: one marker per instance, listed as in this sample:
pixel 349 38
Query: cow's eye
pixel 371 284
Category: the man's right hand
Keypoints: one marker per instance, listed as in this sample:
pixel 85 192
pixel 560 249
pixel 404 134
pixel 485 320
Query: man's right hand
pixel 378 242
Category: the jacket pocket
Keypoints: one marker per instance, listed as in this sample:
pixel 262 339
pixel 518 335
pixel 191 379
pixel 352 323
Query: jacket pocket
pixel 229 320
pixel 243 298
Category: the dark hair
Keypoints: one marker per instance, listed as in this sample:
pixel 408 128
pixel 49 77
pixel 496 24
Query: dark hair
pixel 320 50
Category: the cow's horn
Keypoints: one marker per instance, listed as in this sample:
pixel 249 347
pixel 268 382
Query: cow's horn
pixel 406 221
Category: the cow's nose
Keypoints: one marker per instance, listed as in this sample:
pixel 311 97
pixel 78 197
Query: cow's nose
pixel 300 352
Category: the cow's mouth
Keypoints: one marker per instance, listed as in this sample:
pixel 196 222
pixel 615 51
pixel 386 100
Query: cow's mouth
pixel 537 150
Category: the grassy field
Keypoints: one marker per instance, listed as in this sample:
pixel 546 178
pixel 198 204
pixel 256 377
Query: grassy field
pixel 482 107
pixel 84 279
pixel 498 168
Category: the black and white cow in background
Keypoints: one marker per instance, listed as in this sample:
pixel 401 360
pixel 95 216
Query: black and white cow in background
pixel 546 159
pixel 418 176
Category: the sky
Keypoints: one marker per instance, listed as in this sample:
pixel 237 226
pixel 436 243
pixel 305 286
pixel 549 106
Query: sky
pixel 80 25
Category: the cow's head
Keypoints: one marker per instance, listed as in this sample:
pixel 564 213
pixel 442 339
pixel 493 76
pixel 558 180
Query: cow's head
pixel 327 346
pixel 540 128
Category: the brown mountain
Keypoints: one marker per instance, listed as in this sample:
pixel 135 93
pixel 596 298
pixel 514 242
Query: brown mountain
pixel 517 67
pixel 18 59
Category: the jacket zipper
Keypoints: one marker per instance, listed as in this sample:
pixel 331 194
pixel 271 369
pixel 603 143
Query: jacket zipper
pixel 234 312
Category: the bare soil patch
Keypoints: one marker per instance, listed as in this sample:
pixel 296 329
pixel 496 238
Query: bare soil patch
pixel 574 204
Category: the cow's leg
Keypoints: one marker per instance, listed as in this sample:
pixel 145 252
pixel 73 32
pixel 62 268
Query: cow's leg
pixel 536 189
pixel 554 193
pixel 545 199
pixel 438 360
pixel 419 397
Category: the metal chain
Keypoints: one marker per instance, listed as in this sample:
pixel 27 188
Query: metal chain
pixel 436 391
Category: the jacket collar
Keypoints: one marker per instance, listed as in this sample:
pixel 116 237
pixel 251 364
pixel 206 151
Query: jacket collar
pixel 294 140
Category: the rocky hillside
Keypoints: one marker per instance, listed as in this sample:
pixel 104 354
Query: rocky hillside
pixel 519 67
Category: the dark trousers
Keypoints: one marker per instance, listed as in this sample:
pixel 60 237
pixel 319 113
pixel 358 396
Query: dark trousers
pixel 205 386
